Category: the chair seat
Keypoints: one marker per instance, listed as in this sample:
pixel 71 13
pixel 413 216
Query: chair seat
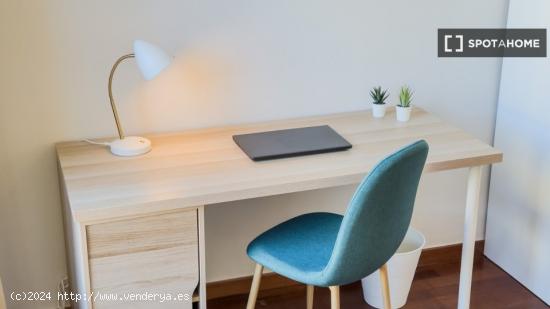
pixel 299 248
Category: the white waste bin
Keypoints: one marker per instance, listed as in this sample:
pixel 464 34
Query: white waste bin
pixel 401 269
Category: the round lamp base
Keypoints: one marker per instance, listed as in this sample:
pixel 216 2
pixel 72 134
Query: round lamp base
pixel 130 146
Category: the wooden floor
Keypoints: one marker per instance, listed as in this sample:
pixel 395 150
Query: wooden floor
pixel 435 286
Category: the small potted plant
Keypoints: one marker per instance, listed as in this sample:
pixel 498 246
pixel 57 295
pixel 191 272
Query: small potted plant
pixel 403 109
pixel 379 97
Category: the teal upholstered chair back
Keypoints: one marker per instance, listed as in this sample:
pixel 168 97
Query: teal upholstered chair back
pixel 378 216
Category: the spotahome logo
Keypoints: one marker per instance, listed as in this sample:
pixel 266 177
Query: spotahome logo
pixel 491 42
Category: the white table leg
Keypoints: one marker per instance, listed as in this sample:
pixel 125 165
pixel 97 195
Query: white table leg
pixel 202 260
pixel 468 245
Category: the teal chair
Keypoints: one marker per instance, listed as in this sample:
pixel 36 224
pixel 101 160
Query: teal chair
pixel 329 250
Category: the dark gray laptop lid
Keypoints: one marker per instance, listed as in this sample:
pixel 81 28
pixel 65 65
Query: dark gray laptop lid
pixel 291 142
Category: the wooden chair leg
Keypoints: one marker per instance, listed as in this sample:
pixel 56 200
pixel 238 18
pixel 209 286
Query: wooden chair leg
pixel 385 283
pixel 310 290
pixel 255 287
pixel 334 297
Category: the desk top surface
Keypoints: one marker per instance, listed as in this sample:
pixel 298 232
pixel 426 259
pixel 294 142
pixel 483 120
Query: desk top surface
pixel 205 166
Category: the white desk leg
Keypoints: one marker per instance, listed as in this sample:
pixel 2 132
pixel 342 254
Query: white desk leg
pixel 468 245
pixel 202 260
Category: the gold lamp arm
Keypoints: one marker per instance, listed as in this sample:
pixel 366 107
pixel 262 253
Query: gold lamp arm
pixel 110 87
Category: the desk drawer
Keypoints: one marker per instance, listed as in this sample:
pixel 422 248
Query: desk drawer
pixel 153 254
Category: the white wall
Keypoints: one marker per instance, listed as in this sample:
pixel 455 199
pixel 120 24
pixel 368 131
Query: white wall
pixel 518 220
pixel 240 61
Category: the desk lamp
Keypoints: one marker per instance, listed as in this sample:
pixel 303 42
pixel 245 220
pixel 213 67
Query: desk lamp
pixel 151 60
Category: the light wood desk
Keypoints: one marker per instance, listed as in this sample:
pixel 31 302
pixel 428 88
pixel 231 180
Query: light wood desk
pixel 137 224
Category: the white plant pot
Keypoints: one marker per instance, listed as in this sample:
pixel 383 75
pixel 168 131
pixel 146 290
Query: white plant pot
pixel 403 113
pixel 401 269
pixel 378 110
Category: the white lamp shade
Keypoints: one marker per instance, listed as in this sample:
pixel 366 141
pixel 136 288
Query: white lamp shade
pixel 151 59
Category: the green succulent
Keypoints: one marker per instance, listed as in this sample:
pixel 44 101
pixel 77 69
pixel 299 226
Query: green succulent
pixel 405 96
pixel 378 95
